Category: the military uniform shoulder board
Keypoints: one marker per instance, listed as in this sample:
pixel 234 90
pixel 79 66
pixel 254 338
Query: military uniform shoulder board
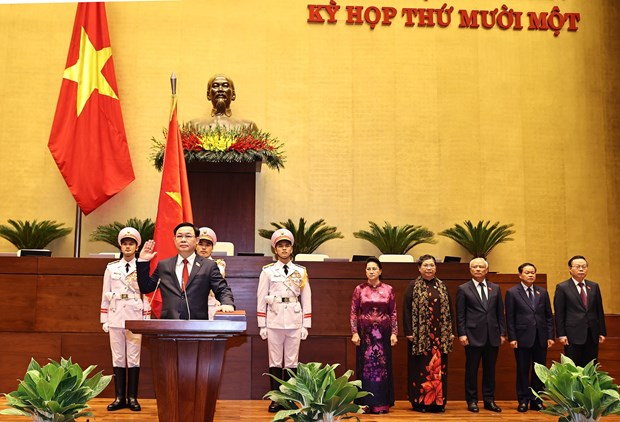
pixel 268 265
pixel 114 262
pixel 301 266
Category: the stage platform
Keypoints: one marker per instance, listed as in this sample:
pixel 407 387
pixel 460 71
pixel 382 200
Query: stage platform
pixel 256 411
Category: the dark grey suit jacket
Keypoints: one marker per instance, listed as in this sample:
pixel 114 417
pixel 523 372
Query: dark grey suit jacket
pixel 203 277
pixel 572 319
pixel 475 321
pixel 527 323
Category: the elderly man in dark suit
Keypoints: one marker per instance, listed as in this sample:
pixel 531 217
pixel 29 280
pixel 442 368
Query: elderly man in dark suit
pixel 482 329
pixel 579 315
pixel 530 332
pixel 185 280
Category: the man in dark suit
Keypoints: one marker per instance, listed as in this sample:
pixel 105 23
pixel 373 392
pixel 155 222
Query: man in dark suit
pixel 579 315
pixel 530 332
pixel 185 280
pixel 482 329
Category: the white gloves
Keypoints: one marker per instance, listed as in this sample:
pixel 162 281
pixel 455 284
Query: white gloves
pixel 304 333
pixel 109 295
pixel 105 327
pixel 263 333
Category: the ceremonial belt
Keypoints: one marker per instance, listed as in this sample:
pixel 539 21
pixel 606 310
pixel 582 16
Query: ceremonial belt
pixel 126 296
pixel 285 299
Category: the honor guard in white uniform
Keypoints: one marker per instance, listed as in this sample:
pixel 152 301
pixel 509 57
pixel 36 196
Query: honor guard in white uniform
pixel 121 300
pixel 284 309
pixel 206 241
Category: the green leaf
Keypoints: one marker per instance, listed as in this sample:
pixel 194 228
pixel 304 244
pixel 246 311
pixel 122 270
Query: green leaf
pixel 571 390
pixel 480 239
pixel 314 391
pixel 32 235
pixel 108 233
pixel 57 391
pixel 395 239
pixel 307 240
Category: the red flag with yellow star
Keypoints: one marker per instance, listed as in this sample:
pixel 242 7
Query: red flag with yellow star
pixel 174 202
pixel 88 140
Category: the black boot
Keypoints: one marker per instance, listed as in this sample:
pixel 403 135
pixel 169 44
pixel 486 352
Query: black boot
pixel 133 375
pixel 275 385
pixel 120 375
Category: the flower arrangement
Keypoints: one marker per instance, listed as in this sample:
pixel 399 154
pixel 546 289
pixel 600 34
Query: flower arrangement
pixel 222 145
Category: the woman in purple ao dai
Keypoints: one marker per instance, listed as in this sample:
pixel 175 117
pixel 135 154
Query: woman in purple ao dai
pixel 374 327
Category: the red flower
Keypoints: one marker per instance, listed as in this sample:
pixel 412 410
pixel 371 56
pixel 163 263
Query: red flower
pixel 190 141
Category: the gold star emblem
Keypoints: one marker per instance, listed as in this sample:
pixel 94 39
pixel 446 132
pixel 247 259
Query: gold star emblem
pixel 87 72
pixel 176 197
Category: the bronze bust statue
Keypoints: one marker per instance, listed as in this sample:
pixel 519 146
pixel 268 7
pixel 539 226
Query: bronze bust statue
pixel 221 92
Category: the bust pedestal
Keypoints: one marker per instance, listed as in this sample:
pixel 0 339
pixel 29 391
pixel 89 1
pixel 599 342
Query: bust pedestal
pixel 224 198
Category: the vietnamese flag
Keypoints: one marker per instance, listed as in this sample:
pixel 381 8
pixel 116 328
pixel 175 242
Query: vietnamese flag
pixel 174 203
pixel 88 140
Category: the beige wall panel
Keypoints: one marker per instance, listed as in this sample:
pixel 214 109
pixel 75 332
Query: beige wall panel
pixel 427 126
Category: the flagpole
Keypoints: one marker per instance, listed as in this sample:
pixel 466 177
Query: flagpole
pixel 173 83
pixel 78 231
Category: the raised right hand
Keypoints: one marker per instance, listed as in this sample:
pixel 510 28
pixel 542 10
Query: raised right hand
pixel 148 251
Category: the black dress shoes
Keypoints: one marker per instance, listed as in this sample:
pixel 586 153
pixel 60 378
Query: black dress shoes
pixel 473 407
pixel 522 407
pixel 490 405
pixel 536 406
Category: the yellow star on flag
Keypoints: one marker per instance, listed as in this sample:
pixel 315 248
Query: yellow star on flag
pixel 87 72
pixel 176 197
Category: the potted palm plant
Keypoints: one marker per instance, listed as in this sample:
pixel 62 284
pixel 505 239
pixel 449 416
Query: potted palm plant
pixel 32 235
pixel 307 237
pixel 314 393
pixel 480 239
pixel 577 394
pixel 108 233
pixel 397 240
pixel 56 392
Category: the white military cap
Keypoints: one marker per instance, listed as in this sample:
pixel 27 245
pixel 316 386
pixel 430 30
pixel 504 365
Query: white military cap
pixel 129 233
pixel 282 234
pixel 208 234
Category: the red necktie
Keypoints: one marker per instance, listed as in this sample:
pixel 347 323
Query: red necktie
pixel 584 298
pixel 185 274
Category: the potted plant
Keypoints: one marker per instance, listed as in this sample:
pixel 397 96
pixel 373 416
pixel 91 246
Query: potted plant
pixel 307 238
pixel 108 233
pixel 56 392
pixel 313 393
pixel 479 240
pixel 577 394
pixel 223 145
pixel 32 235
pixel 396 240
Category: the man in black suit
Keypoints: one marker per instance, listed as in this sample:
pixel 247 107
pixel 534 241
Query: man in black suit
pixel 579 315
pixel 185 280
pixel 482 329
pixel 530 332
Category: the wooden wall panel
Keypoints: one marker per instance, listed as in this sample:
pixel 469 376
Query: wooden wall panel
pixel 237 379
pixel 68 303
pixel 51 308
pixel 19 293
pixel 16 350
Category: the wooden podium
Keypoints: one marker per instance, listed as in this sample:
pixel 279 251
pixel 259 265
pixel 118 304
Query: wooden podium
pixel 187 358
